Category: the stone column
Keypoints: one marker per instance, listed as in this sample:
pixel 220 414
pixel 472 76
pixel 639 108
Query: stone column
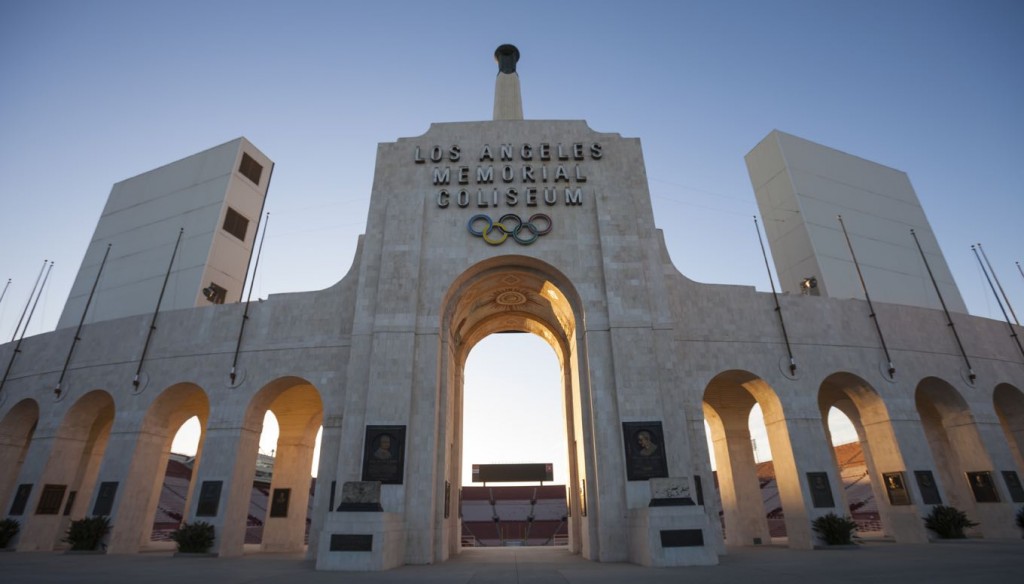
pixel 292 462
pixel 742 500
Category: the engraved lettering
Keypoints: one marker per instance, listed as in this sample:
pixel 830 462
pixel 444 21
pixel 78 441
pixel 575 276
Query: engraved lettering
pixel 550 196
pixel 485 174
pixel 436 154
pixel 531 196
pixel 511 196
pixel 416 157
pixel 462 199
pixel 507 173
pixel 454 153
pixel 485 154
pixel 595 151
pixel 463 175
pixel 580 177
pixel 506 151
pixel 526 152
pixel 561 174
pixel 528 173
pixel 545 151
pixel 442 199
pixel 573 198
pixel 442 177
pixel 577 151
pixel 561 153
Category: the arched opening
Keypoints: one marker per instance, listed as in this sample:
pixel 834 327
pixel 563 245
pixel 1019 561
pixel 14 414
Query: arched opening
pixel 876 482
pixel 16 430
pixel 1009 406
pixel 69 476
pixel 160 488
pixel 513 294
pixel 513 414
pixel 283 480
pixel 761 501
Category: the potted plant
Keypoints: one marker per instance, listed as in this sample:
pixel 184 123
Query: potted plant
pixel 87 534
pixel 194 538
pixel 948 522
pixel 835 530
pixel 8 529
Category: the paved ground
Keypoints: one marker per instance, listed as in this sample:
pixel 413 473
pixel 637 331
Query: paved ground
pixel 962 562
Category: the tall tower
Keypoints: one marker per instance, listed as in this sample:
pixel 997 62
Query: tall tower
pixel 508 99
pixel 216 198
pixel 801 187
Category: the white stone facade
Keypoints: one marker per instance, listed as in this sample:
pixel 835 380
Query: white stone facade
pixel 639 344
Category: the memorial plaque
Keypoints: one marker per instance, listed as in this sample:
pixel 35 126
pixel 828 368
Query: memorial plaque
pixel 279 502
pixel 50 499
pixel 513 473
pixel 821 492
pixel 929 490
pixel 1013 485
pixel 70 503
pixel 896 487
pixel 983 486
pixel 670 492
pixel 20 499
pixel 209 499
pixel 105 498
pixel 645 451
pixel 671 538
pixel 384 454
pixel 360 496
pixel 351 542
pixel 447 499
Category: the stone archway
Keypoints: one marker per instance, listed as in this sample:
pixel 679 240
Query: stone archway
pixel 517 294
pixel 728 400
pixel 298 408
pixel 1009 405
pixel 72 454
pixel 16 430
pixel 144 477
pixel 864 407
pixel 965 466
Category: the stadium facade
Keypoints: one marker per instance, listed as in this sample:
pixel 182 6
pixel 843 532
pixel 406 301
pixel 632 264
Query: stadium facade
pixel 543 227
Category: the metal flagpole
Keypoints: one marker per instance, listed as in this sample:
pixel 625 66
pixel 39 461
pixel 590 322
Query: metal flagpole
pixel 245 312
pixel 17 348
pixel 949 320
pixel 28 302
pixel 152 323
pixel 871 307
pixel 81 322
pixel 996 278
pixel 1013 333
pixel 6 286
pixel 775 295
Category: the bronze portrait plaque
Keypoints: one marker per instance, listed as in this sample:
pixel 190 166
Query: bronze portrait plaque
pixel 983 486
pixel 821 491
pixel 384 454
pixel 896 488
pixel 929 490
pixel 279 502
pixel 645 450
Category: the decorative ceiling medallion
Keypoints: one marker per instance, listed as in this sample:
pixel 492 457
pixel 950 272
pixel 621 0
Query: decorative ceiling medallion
pixel 510 280
pixel 510 298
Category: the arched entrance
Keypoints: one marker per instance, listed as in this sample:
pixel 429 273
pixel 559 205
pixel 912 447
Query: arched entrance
pixel 1009 406
pixel 16 430
pixel 861 404
pixel 515 294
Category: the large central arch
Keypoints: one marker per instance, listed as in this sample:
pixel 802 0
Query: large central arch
pixel 516 294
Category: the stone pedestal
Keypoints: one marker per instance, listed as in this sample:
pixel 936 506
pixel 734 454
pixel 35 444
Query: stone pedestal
pixel 361 541
pixel 671 536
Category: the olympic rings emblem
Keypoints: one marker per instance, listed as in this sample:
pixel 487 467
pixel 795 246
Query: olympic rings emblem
pixel 495 233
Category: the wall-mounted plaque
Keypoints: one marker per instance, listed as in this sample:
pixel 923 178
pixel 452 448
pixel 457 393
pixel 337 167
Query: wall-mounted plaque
pixel 20 499
pixel 209 499
pixel 645 450
pixel 105 498
pixel 447 499
pixel 279 502
pixel 50 499
pixel 929 490
pixel 671 538
pixel 384 454
pixel 1013 485
pixel 351 542
pixel 821 492
pixel 896 487
pixel 983 486
pixel 70 503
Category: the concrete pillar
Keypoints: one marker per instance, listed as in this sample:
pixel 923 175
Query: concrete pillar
pixel 742 502
pixel 330 443
pixel 791 468
pixel 229 456
pixel 292 463
pixel 883 455
pixel 133 461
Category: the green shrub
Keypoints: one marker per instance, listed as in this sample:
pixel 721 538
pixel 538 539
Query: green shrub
pixel 8 529
pixel 87 533
pixel 195 538
pixel 835 530
pixel 948 522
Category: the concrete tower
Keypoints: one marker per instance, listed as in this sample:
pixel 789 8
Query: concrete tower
pixel 215 196
pixel 508 99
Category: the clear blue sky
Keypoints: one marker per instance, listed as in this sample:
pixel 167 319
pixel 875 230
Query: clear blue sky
pixel 95 92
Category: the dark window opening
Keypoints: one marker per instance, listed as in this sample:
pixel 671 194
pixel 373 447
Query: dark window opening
pixel 235 224
pixel 250 169
pixel 215 293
